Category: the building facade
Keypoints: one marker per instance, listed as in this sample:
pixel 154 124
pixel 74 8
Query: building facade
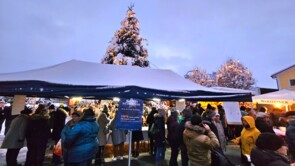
pixel 285 78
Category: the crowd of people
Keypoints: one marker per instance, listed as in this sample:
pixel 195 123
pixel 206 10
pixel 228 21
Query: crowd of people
pixel 195 133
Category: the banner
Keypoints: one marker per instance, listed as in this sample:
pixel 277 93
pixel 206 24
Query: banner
pixel 19 102
pixel 130 114
pixel 232 113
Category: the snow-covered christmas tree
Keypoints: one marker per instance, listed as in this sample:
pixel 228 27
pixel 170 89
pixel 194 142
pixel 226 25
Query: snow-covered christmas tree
pixel 126 47
pixel 234 75
pixel 200 76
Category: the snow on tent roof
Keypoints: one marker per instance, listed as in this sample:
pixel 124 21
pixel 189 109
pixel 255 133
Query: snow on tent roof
pixel 79 78
pixel 283 96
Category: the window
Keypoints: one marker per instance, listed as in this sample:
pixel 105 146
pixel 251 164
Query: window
pixel 292 82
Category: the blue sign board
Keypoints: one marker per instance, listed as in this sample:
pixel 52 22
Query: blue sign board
pixel 130 114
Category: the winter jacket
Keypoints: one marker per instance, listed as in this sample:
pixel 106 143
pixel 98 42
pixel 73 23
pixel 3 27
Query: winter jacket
pixel 261 157
pixel 248 136
pixel 199 144
pixel 180 131
pixel 221 135
pixel 160 138
pixel 15 136
pixel 263 126
pixel 58 123
pixel 118 136
pixel 102 121
pixel 150 120
pixel 290 136
pixel 38 130
pixel 80 140
pixel 137 135
pixel 172 127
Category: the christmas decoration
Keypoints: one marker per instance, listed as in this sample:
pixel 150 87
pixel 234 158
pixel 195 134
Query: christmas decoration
pixel 126 47
pixel 234 75
pixel 200 76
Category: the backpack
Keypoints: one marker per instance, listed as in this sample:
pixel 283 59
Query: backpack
pixel 218 159
pixel 155 130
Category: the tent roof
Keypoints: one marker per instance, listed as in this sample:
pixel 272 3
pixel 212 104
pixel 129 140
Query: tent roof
pixel 93 80
pixel 284 96
pixel 234 90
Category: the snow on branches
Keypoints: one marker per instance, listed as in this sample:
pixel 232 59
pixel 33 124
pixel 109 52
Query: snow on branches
pixel 126 47
pixel 234 75
pixel 199 76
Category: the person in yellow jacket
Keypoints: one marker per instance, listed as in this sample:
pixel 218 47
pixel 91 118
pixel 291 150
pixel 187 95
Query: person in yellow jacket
pixel 248 137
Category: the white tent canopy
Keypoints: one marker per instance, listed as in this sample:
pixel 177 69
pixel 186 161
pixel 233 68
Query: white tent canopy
pixel 79 78
pixel 285 97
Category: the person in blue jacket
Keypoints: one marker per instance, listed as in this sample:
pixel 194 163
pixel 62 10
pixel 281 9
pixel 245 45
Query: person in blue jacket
pixel 80 140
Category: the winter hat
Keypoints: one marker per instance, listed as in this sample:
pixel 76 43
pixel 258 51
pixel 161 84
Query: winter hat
pixel 262 109
pixel 26 111
pixel 211 114
pixel 261 115
pixel 174 113
pixel 161 112
pixel 77 113
pixel 290 113
pixel 88 112
pixel 269 141
pixel 187 113
pixel 196 120
pixel 51 107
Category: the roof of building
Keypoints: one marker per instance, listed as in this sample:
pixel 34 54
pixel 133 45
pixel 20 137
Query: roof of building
pixel 281 71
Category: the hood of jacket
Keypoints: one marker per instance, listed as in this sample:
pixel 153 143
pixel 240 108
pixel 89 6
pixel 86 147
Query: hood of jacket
pixel 194 128
pixel 266 157
pixel 250 120
pixel 40 116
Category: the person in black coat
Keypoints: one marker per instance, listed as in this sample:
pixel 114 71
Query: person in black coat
pixel 172 126
pixel 269 151
pixel 137 136
pixel 187 114
pixel 58 124
pixel 37 135
pixel 160 142
pixel 290 133
pixel 151 121
pixel 5 115
pixel 263 123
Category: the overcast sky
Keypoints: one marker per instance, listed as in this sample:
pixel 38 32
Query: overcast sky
pixel 182 35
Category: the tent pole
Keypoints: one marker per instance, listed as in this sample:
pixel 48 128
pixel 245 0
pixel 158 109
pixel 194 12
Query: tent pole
pixel 129 152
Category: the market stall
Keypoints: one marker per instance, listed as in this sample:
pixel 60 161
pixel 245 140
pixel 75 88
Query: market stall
pixel 282 97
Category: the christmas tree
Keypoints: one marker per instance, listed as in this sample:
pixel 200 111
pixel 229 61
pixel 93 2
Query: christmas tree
pixel 234 75
pixel 126 47
pixel 200 76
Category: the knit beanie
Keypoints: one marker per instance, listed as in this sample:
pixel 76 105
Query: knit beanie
pixel 269 141
pixel 187 113
pixel 77 113
pixel 88 112
pixel 211 114
pixel 196 120
pixel 174 113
